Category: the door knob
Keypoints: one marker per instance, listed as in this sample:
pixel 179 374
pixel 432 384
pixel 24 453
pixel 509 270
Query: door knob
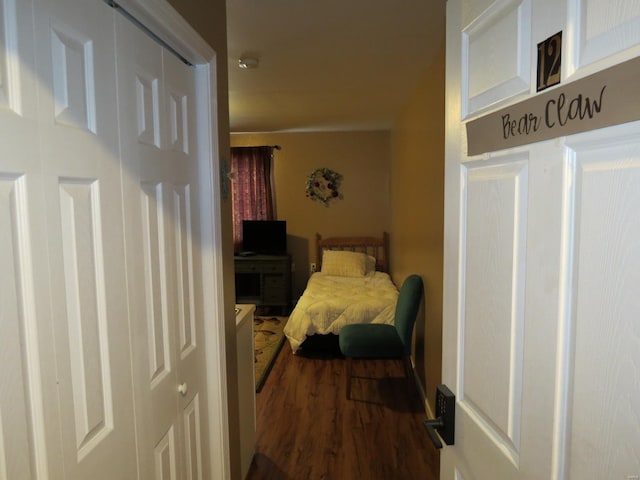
pixel 431 425
pixel 182 388
pixel 445 422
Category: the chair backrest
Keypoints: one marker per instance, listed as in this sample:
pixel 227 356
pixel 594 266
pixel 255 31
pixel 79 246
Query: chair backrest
pixel 407 309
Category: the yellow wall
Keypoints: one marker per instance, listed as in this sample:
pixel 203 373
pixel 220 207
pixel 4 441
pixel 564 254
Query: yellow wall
pixel 393 181
pixel 417 213
pixel 363 159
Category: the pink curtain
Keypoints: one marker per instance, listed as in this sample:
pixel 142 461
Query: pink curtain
pixel 250 187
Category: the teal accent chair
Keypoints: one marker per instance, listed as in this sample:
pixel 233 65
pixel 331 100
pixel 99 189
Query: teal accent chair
pixel 376 340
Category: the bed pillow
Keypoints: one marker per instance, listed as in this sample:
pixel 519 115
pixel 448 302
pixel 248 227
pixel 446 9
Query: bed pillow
pixel 343 264
pixel 370 265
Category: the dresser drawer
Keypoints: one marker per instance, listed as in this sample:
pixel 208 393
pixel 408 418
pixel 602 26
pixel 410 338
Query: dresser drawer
pixel 261 267
pixel 246 267
pixel 273 267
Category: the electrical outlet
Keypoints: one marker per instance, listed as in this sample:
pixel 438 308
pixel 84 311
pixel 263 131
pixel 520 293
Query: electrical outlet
pixel 312 268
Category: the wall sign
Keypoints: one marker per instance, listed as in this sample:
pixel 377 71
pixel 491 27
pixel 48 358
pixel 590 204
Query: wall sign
pixel 606 98
pixel 549 61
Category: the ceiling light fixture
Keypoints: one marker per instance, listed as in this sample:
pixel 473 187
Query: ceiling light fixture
pixel 248 62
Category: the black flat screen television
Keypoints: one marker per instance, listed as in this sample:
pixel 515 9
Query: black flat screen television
pixel 265 237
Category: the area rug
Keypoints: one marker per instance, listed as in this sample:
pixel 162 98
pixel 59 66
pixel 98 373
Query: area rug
pixel 268 338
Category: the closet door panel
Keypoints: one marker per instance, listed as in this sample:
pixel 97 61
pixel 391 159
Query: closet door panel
pixel 165 457
pixel 182 160
pixel 81 183
pixel 149 248
pixel 157 322
pixel 14 415
pixel 192 419
pixel 160 167
pixel 25 347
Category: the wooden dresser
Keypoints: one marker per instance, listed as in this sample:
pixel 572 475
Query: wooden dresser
pixel 264 280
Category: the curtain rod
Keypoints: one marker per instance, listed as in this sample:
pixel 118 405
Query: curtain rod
pixel 275 147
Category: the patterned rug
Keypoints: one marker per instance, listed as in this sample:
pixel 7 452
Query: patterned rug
pixel 268 339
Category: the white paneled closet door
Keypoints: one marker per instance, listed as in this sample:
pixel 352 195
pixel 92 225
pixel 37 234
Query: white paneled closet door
pixel 23 256
pixel 102 361
pixel 157 125
pixel 79 152
pixel 542 246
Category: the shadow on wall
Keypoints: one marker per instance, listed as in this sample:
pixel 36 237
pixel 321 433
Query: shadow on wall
pixel 419 338
pixel 298 248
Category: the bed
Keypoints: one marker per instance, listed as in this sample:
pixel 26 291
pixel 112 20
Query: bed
pixel 352 285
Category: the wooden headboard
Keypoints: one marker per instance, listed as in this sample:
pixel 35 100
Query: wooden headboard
pixel 376 247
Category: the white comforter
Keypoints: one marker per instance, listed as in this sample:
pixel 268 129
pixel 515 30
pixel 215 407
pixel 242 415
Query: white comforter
pixel 330 302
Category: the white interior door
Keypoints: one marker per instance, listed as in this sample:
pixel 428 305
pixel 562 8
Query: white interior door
pixel 159 151
pixel 542 247
pixel 75 56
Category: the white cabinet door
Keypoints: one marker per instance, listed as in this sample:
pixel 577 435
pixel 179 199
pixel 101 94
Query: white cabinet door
pixel 246 386
pixel 159 152
pixel 542 253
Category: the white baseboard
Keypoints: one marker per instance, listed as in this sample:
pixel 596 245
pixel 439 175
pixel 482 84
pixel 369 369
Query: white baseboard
pixel 423 396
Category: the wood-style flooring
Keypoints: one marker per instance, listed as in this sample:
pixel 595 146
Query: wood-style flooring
pixel 308 430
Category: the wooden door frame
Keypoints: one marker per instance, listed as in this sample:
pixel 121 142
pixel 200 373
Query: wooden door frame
pixel 165 22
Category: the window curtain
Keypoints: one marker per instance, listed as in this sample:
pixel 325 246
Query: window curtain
pixel 251 187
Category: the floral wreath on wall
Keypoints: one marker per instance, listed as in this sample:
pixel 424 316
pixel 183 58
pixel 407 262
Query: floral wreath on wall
pixel 323 184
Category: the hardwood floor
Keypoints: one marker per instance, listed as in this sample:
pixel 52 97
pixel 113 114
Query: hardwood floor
pixel 307 429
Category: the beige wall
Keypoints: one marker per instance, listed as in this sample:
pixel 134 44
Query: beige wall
pixel 363 159
pixel 417 213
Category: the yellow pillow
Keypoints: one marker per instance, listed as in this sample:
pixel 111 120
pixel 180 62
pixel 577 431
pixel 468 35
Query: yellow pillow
pixel 343 263
pixel 370 265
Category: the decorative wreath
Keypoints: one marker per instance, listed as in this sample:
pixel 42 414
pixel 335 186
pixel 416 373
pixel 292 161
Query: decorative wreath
pixel 323 185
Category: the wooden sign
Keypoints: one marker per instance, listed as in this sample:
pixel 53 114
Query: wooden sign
pixel 606 98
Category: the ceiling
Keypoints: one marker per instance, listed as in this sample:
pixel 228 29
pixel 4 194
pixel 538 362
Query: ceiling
pixel 327 65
